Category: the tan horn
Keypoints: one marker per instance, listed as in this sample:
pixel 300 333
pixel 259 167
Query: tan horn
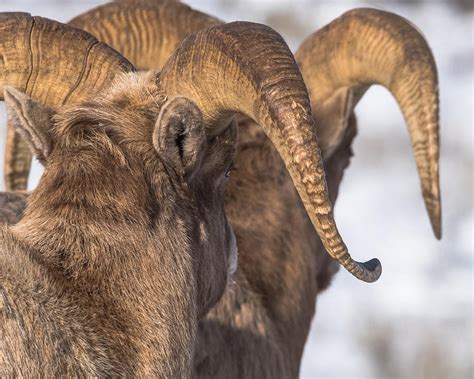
pixel 369 46
pixel 53 63
pixel 145 32
pixel 247 68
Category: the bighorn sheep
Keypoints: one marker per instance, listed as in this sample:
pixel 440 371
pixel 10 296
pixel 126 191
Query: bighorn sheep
pixel 124 244
pixel 109 269
pixel 282 264
pixel 259 327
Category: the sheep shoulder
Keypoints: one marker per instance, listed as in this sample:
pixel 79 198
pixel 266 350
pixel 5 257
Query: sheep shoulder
pixel 43 323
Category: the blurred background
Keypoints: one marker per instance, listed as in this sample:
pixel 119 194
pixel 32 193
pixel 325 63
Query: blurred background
pixel 417 320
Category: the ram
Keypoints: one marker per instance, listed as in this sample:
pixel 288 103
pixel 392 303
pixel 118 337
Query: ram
pixel 259 327
pixel 124 243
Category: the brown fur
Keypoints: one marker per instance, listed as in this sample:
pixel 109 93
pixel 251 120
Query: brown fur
pixel 260 326
pixel 109 269
pixel 12 206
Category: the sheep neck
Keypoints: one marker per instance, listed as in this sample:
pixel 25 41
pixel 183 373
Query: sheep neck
pixel 115 262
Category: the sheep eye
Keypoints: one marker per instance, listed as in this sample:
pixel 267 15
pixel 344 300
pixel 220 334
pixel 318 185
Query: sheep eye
pixel 229 170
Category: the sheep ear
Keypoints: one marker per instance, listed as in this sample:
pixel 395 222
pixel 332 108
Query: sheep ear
pixel 31 119
pixel 179 135
pixel 332 119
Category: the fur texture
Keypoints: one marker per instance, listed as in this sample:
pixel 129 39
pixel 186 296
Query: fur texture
pixel 120 250
pixel 259 327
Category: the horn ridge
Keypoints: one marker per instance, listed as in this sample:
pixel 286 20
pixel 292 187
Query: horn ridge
pixel 53 63
pixel 145 32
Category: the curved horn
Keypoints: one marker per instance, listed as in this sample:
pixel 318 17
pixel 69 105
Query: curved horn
pixel 145 32
pixel 247 68
pixel 368 46
pixel 53 63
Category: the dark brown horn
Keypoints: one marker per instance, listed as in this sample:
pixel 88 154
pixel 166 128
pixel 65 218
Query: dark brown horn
pixel 53 63
pixel 145 32
pixel 247 68
pixel 368 46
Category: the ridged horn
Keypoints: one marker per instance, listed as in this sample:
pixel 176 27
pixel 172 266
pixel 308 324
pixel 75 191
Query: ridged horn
pixel 247 68
pixel 54 63
pixel 369 46
pixel 145 32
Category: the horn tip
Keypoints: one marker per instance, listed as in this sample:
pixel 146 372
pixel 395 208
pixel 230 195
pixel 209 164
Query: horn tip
pixel 436 226
pixel 434 214
pixel 371 270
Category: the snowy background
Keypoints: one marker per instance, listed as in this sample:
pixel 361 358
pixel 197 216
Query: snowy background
pixel 417 320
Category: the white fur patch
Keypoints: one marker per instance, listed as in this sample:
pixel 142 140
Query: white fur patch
pixel 203 232
pixel 233 254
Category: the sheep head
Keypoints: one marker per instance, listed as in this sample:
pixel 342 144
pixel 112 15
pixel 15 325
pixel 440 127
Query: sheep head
pixel 124 152
pixel 158 149
pixel 224 70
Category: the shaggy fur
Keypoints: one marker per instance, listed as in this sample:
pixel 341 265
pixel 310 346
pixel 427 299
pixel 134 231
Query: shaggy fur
pixel 259 327
pixel 120 249
pixel 12 206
